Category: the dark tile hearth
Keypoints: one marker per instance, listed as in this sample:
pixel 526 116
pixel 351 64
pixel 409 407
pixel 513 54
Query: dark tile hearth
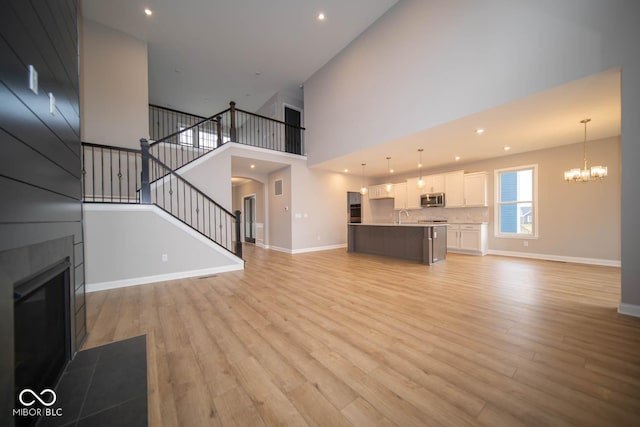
pixel 104 386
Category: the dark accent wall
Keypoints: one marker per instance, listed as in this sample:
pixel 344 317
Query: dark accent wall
pixel 40 165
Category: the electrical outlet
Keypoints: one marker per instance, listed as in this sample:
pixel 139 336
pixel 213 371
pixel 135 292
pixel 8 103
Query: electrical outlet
pixel 165 257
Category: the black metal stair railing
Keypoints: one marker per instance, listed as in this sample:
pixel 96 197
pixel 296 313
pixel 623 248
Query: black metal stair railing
pixel 149 175
pixel 164 121
pixel 110 174
pixel 181 199
pixel 123 175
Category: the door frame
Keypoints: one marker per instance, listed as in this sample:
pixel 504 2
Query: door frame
pixel 247 239
pixel 284 119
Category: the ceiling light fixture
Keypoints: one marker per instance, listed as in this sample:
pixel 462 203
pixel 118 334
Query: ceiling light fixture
pixel 457 158
pixel 585 174
pixel 346 171
pixel 479 131
pixel 388 186
pixel 321 16
pixel 148 11
pixel 363 189
pixel 252 166
pixel 420 181
pixel 507 148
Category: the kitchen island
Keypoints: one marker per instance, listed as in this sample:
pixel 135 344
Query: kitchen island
pixel 422 242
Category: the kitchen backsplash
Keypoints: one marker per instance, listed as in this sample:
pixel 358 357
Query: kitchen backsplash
pixel 381 211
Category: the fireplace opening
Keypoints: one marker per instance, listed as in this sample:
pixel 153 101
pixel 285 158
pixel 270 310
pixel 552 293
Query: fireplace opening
pixel 41 327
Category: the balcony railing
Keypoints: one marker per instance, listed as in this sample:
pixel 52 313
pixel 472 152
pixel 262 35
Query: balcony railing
pixel 190 139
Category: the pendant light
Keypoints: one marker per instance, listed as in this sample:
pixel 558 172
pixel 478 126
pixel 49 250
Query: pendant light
pixel 420 181
pixel 363 189
pixel 585 174
pixel 389 186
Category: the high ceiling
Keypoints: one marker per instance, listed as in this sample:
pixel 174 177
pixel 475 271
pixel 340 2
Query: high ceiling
pixel 543 120
pixel 205 53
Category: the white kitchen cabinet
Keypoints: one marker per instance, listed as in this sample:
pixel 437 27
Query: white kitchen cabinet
pixel 400 196
pixel 433 184
pixel 467 238
pixel 475 189
pixel 454 189
pixel 414 193
pixel 380 192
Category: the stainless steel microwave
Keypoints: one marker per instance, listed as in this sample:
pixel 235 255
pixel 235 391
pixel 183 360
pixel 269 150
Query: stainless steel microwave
pixel 432 200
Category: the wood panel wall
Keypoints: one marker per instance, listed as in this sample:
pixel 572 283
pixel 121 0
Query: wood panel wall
pixel 40 164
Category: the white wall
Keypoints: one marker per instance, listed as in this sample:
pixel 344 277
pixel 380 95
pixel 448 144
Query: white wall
pixel 124 246
pixel 113 87
pixel 320 207
pixel 318 194
pixel 274 107
pixel 429 62
pixel 280 211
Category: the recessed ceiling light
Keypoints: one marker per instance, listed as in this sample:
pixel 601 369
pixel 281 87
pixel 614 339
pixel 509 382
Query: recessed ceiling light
pixel 457 158
pixel 148 11
pixel 391 171
pixel 507 148
pixel 346 170
pixel 479 131
pixel 252 166
pixel 321 16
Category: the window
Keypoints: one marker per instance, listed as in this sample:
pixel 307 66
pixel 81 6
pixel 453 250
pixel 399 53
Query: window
pixel 516 202
pixel 185 137
pixel 205 139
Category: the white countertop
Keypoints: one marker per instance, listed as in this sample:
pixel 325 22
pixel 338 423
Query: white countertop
pixel 420 224
pixel 408 224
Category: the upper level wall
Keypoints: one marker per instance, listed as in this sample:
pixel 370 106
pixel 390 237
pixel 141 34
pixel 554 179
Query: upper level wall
pixel 114 87
pixel 427 62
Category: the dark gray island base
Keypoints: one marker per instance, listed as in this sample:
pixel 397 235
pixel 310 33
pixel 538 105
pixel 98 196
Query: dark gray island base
pixel 425 243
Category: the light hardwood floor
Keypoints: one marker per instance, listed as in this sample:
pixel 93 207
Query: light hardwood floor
pixel 337 339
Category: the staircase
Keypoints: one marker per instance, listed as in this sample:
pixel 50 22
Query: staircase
pixel 152 175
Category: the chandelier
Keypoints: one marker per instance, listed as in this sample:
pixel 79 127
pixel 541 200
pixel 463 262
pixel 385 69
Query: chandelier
pixel 585 174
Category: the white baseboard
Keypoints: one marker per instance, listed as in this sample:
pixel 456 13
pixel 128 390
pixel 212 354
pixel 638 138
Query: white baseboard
pixel 305 250
pixel 629 309
pixel 319 248
pixel 578 260
pixel 103 286
pixel 279 249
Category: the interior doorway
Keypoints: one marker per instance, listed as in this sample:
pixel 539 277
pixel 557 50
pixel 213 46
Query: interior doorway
pixel 292 134
pixel 250 219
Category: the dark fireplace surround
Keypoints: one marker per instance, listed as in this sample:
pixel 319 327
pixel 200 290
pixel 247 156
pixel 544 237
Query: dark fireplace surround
pixel 22 272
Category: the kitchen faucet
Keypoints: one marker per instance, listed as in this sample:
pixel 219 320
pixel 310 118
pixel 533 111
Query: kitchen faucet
pixel 400 215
